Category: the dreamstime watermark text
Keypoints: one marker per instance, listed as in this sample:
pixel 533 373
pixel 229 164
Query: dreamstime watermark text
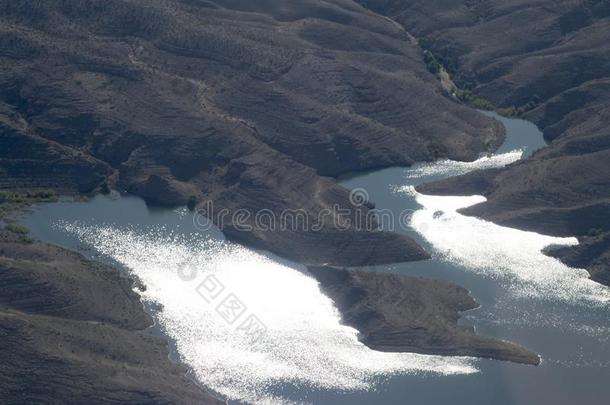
pixel 358 214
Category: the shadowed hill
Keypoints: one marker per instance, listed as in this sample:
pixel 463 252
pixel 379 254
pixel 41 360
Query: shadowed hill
pixel 246 103
pixel 73 332
pixel 550 62
pixel 395 313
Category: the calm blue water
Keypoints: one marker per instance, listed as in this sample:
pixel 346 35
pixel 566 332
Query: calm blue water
pixel 555 313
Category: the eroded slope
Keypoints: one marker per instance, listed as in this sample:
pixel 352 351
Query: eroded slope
pixel 549 62
pixel 73 332
pixel 244 103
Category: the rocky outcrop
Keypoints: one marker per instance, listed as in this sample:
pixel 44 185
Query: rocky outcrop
pixel 410 314
pixel 73 332
pixel 593 253
pixel 249 104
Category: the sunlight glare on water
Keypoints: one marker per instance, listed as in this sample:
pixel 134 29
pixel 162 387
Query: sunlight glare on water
pixel 512 256
pixel 304 342
pixel 448 167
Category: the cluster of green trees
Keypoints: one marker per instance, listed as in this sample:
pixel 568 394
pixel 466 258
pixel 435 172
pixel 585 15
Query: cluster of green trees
pixel 513 111
pixel 26 196
pixel 436 63
pixel 432 63
pixel 14 200
pixel 468 97
pixel 11 201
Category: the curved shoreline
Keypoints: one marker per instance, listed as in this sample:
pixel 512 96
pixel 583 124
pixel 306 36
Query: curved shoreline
pixel 444 338
pixel 396 313
pixel 75 325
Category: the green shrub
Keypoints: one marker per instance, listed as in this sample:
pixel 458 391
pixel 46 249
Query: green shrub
pixel 475 101
pixel 432 64
pixel 17 229
pixel 507 111
pixel 41 195
pixel 26 196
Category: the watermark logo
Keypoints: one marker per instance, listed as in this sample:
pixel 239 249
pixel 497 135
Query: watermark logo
pixel 210 288
pixel 231 308
pixel 227 304
pixel 359 197
pixel 359 215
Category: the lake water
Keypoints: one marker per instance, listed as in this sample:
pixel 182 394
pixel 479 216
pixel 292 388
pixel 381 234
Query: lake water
pixel 303 354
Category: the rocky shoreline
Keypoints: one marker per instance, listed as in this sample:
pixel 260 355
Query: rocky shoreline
pixel 169 104
pixel 78 322
pixel 258 106
pixel 549 66
pixel 397 313
pixel 587 222
pixel 177 108
pixel 73 331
